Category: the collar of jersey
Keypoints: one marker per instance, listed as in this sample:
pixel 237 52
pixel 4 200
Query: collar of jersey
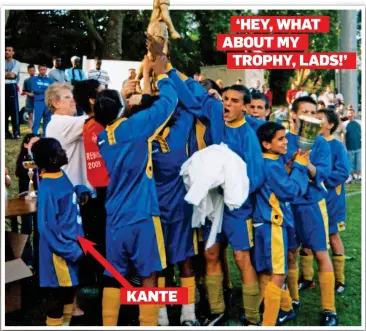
pixel 236 124
pixel 271 156
pixel 52 174
pixel 328 138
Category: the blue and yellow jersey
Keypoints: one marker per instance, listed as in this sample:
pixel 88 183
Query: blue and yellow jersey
pixel 336 198
pixel 169 153
pixel 59 224
pixel 280 188
pixel 254 122
pixel 320 157
pixel 126 147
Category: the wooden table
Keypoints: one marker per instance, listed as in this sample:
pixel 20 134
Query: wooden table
pixel 20 207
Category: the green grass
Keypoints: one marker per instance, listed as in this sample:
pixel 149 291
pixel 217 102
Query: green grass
pixel 348 305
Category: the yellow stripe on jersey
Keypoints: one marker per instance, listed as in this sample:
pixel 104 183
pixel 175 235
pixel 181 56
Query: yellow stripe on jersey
pixel 161 139
pixel 200 132
pixel 339 189
pixel 278 250
pixel 111 128
pixel 195 241
pixel 236 124
pixel 52 174
pixel 160 240
pixel 62 271
pixel 276 215
pixel 250 232
pixel 323 210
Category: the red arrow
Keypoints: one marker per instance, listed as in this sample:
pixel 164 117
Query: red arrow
pixel 87 246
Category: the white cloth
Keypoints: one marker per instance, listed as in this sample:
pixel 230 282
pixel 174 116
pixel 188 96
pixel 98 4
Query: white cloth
pixel 68 131
pixel 301 94
pixel 203 173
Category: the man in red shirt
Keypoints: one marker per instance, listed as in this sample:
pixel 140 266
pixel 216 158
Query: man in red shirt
pixel 291 93
pixel 268 93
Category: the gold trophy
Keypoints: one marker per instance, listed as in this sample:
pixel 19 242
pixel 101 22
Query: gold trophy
pixel 308 130
pixel 30 165
pixel 157 31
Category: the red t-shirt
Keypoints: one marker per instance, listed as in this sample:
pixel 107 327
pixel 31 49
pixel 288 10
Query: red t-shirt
pixel 291 94
pixel 269 96
pixel 96 169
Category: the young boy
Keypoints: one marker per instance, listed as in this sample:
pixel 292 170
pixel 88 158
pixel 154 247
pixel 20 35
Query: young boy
pixel 273 216
pixel 336 198
pixel 259 106
pixel 59 225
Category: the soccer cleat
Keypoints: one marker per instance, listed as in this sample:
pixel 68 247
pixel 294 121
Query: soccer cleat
pixel 243 319
pixel 190 323
pixel 306 284
pixel 285 316
pixel 340 288
pixel 329 318
pixel 296 305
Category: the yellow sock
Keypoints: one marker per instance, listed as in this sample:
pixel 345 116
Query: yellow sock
pixel 272 302
pixel 263 281
pixel 215 293
pixel 338 265
pixel 67 314
pixel 54 321
pixel 251 302
pixel 110 306
pixel 149 315
pixel 286 300
pixel 306 265
pixel 292 278
pixel 190 283
pixel 161 283
pixel 226 268
pixel 327 282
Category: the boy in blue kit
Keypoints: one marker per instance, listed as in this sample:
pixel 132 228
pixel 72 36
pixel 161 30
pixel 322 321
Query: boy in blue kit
pixel 39 86
pixel 310 213
pixel 134 233
pixel 59 224
pixel 336 198
pixel 273 217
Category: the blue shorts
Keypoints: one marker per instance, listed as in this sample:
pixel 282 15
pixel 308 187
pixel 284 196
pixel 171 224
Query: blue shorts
pixel 293 239
pixel 311 222
pixel 270 252
pixel 140 245
pixel 336 206
pixel 181 241
pixel 239 233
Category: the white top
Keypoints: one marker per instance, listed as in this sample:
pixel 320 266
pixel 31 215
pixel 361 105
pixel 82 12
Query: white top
pixel 68 131
pixel 100 75
pixel 301 94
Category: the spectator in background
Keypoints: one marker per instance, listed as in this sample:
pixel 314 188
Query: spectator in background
pixel 27 90
pixel 131 76
pixel 40 84
pixel 239 82
pixel 56 73
pixel 291 94
pixel 314 95
pixel 220 84
pixel 12 68
pixel 281 114
pixel 302 92
pixel 75 74
pixel 268 93
pixel 256 87
pixel 353 144
pixel 320 104
pixel 340 109
pixel 329 97
pixel 98 74
pixel 338 96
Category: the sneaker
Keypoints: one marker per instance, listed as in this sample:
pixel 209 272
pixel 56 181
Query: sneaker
pixel 329 318
pixel 16 137
pixel 216 319
pixel 285 316
pixel 243 319
pixel 349 180
pixel 296 305
pixel 190 323
pixel 340 288
pixel 306 284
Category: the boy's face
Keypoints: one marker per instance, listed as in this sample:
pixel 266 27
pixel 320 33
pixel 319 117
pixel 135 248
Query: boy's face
pixel 258 109
pixel 32 71
pixel 326 126
pixel 278 145
pixel 233 105
pixel 61 157
pixel 42 70
pixel 304 109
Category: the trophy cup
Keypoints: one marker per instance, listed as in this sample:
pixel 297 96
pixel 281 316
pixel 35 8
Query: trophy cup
pixel 30 165
pixel 308 131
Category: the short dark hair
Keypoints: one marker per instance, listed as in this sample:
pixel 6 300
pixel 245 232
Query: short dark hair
pixel 261 96
pixel 107 106
pixel 242 89
pixel 30 66
pixel 85 90
pixel 331 118
pixel 298 101
pixel 267 131
pixel 42 65
pixel 45 153
pixel 320 102
pixel 210 84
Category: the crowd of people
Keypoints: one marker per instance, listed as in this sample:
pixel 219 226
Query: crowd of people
pixel 134 173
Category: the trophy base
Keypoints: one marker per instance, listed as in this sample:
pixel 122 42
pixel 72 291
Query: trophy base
pixel 305 144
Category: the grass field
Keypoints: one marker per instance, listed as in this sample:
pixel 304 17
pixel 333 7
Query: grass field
pixel 348 305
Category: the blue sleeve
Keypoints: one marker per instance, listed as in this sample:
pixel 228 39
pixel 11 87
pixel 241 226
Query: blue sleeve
pixel 79 189
pixel 35 87
pixel 341 168
pixel 61 243
pixel 254 161
pixel 288 187
pixel 83 77
pixel 321 159
pixel 254 122
pixel 291 146
pixel 147 122
pixel 67 75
